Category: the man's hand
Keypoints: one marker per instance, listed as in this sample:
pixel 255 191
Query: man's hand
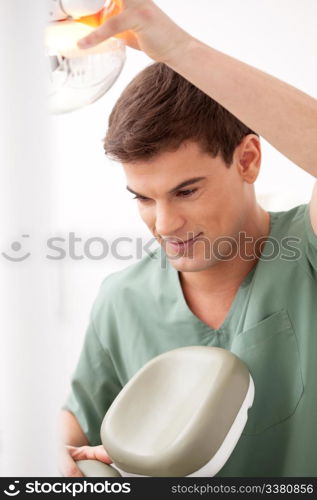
pixel 145 27
pixel 69 455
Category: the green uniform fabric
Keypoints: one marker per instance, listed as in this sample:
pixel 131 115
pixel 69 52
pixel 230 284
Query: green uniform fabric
pixel 141 312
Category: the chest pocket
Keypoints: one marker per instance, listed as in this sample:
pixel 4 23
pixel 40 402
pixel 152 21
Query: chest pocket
pixel 270 351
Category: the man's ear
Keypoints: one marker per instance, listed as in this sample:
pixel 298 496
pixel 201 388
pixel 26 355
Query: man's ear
pixel 247 157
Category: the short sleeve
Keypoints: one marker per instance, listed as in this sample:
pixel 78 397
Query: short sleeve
pixel 311 242
pixel 94 386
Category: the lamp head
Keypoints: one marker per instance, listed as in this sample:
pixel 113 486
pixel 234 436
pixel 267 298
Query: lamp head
pixel 79 77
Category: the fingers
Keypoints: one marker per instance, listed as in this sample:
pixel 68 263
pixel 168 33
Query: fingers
pixel 89 453
pixel 100 454
pixel 124 21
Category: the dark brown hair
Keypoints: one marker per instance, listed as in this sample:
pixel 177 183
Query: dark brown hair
pixel 159 110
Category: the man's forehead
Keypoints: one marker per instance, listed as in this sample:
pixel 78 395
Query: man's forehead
pixel 169 171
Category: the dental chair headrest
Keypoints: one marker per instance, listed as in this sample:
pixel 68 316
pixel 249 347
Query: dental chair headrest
pixel 181 414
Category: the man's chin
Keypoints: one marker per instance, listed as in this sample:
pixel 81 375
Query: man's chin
pixel 183 264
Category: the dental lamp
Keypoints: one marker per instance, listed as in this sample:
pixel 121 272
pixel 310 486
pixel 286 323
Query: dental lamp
pixel 80 77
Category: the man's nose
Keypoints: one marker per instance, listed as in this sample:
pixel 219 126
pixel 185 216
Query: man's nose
pixel 168 220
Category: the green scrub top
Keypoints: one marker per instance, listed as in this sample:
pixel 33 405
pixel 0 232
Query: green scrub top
pixel 141 312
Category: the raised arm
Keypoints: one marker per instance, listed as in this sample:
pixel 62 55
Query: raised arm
pixel 285 116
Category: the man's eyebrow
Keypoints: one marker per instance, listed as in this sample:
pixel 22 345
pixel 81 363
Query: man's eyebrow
pixel 186 183
pixel 183 184
pixel 134 192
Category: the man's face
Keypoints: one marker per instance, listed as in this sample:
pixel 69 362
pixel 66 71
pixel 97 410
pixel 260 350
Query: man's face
pixel 189 201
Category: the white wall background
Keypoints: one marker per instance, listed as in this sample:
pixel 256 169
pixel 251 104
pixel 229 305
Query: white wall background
pixel 88 191
pixel 29 340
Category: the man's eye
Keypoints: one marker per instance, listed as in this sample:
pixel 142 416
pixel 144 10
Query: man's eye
pixel 185 193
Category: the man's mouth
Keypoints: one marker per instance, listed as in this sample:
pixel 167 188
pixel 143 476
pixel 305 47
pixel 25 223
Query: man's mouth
pixel 180 244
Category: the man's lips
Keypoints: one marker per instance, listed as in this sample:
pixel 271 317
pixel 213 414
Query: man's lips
pixel 177 244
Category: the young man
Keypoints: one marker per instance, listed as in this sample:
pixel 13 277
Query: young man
pixel 234 276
